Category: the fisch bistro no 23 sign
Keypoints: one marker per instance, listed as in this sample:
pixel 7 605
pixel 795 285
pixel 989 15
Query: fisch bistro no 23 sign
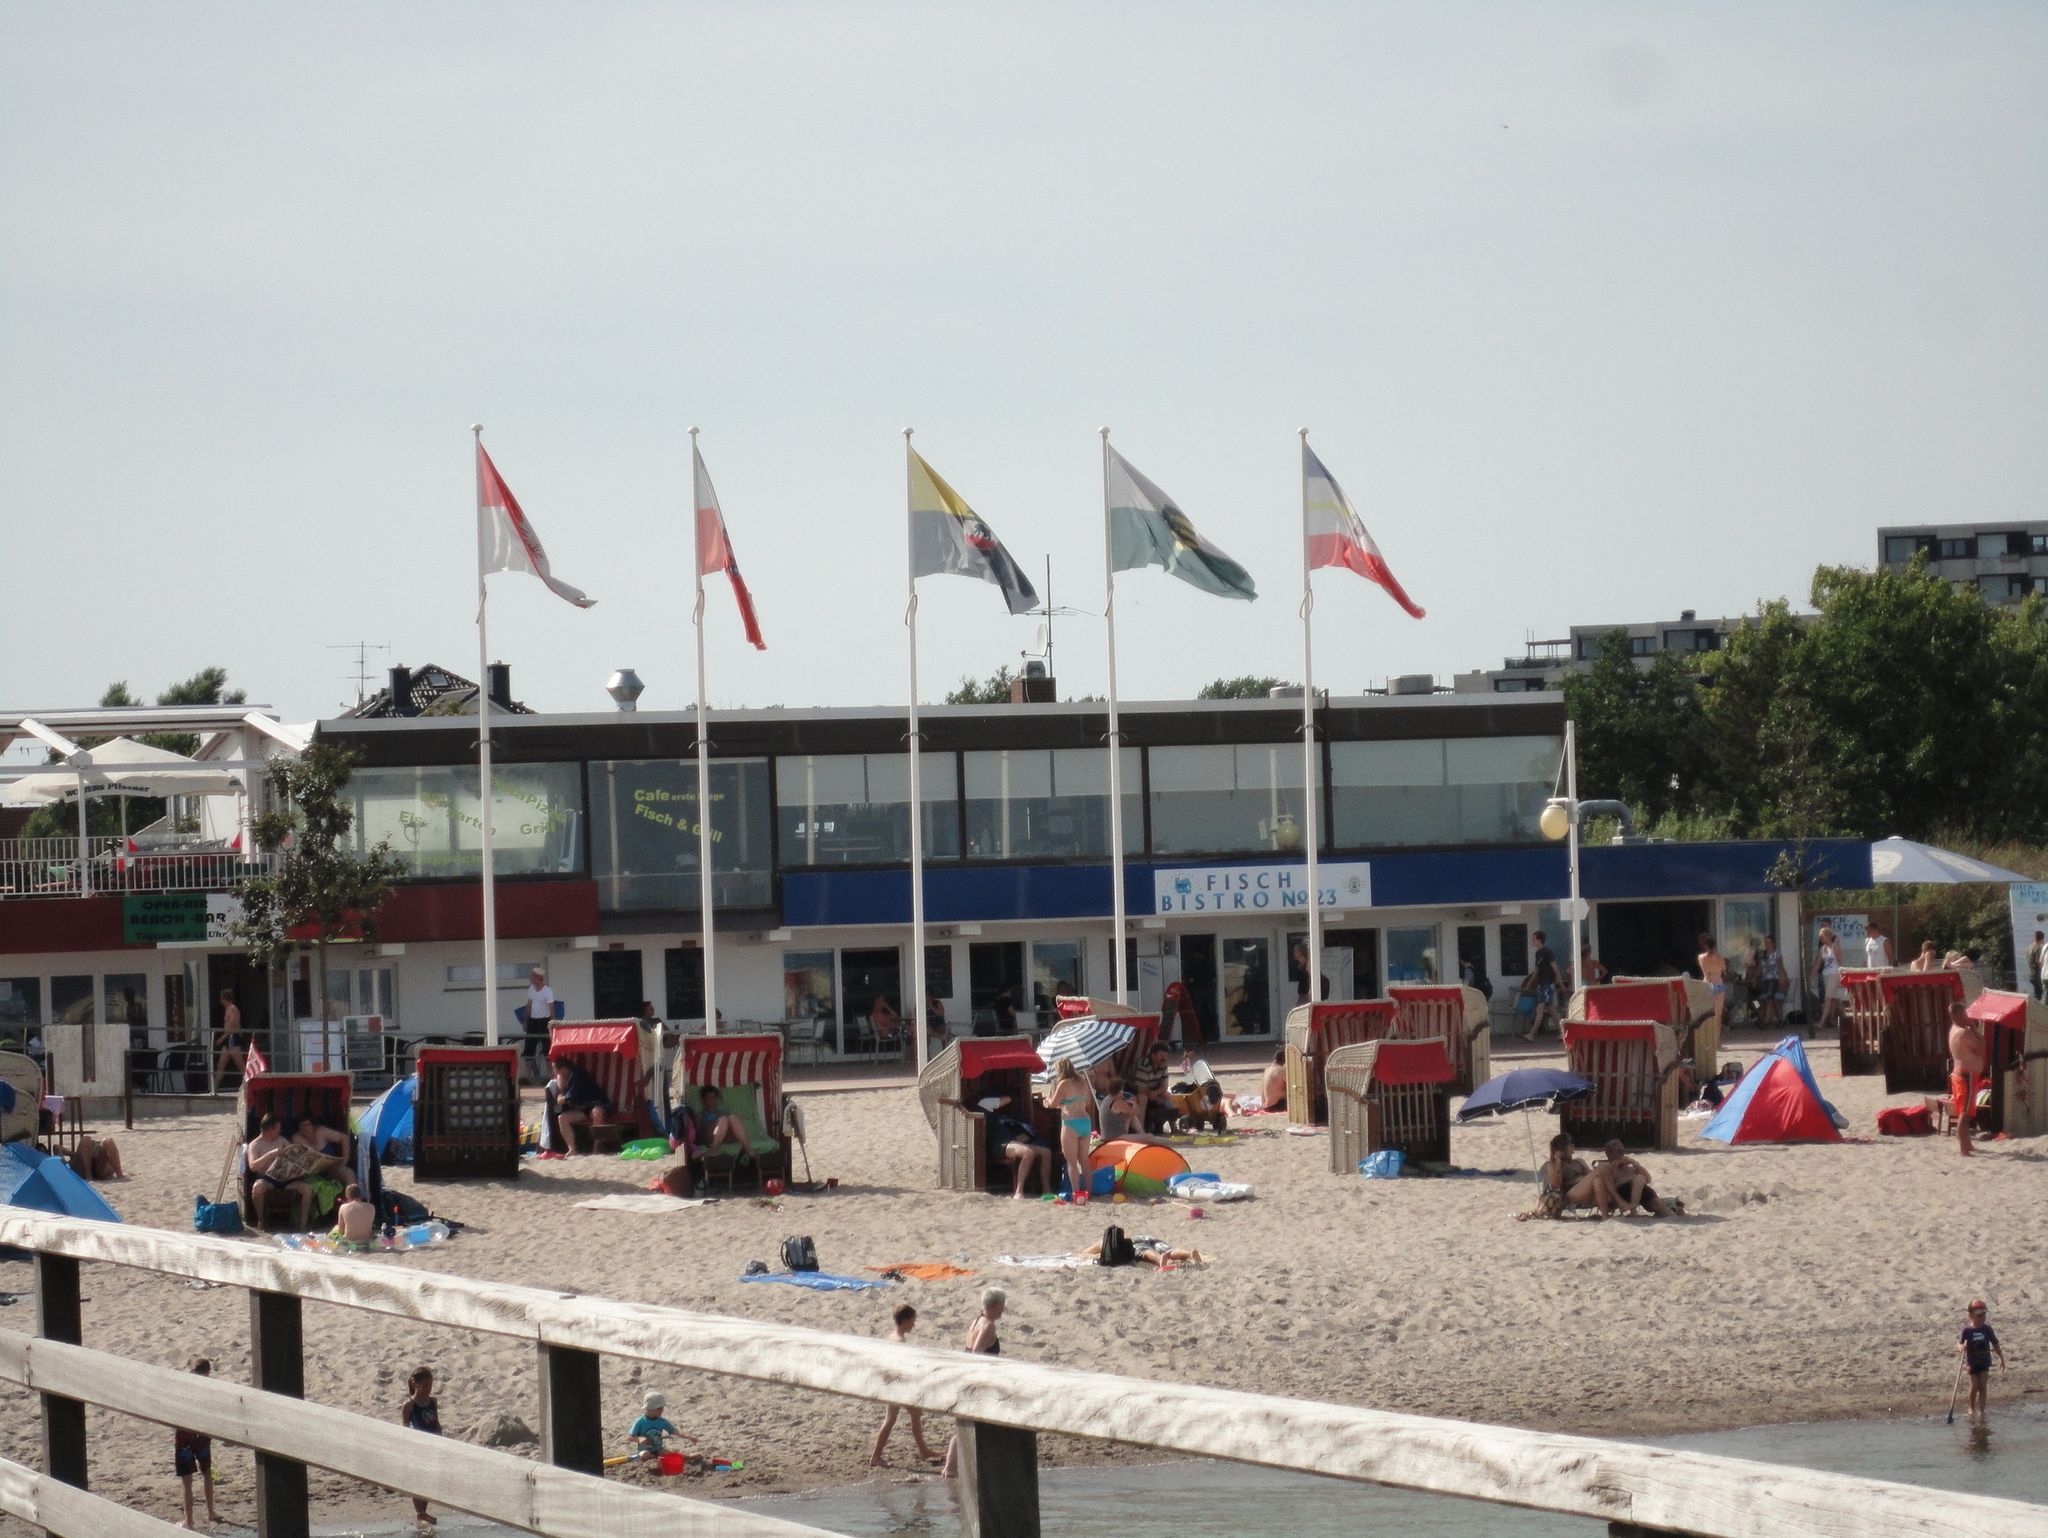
pixel 1260 888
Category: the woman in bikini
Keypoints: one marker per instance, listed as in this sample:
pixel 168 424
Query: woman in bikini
pixel 1566 1182
pixel 982 1339
pixel 1070 1098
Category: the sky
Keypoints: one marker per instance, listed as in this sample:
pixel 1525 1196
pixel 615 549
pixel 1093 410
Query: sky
pixel 1598 311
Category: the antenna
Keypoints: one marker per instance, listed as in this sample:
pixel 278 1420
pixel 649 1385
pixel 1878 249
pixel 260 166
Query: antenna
pixel 1047 611
pixel 362 649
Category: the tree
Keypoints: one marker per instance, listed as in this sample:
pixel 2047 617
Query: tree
pixel 320 883
pixel 995 690
pixel 1242 688
pixel 1638 729
pixel 208 686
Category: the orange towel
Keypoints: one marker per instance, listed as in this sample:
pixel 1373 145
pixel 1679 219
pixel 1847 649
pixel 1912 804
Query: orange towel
pixel 924 1271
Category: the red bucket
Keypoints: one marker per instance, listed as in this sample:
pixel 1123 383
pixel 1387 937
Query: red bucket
pixel 670 1463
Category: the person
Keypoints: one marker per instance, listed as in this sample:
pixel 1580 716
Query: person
pixel 1012 1142
pixel 540 1016
pixel 573 1100
pixel 322 1139
pixel 233 1056
pixel 1473 975
pixel 1967 1060
pixel 1118 1115
pixel 1631 1182
pixel 885 1022
pixel 1565 1181
pixel 981 1341
pixel 355 1220
pixel 1006 1014
pixel 1068 1095
pixel 135 1015
pixel 1148 1083
pixel 1877 947
pixel 1592 970
pixel 2037 963
pixel 263 1153
pixel 1273 1082
pixel 1929 959
pixel 653 1428
pixel 421 1411
pixel 716 1126
pixel 1177 1013
pixel 1543 982
pixel 96 1158
pixel 1827 979
pixel 935 1023
pixel 192 1453
pixel 1770 982
pixel 1976 1343
pixel 1714 973
pixel 905 1319
pixel 1153 1252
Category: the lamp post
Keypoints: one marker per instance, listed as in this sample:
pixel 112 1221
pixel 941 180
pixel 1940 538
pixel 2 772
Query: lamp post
pixel 1561 818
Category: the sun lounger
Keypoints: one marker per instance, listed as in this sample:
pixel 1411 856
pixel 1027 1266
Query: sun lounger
pixel 1389 1094
pixel 1314 1031
pixel 1913 1046
pixel 1632 1066
pixel 1460 1018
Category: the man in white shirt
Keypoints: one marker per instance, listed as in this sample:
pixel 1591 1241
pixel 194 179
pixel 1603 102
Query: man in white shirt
pixel 540 1014
pixel 1877 949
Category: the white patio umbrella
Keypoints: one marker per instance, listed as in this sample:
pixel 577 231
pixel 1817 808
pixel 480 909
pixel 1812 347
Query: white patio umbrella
pixel 1899 861
pixel 121 766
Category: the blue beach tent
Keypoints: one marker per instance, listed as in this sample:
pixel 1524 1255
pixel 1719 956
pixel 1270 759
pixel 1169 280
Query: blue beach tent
pixel 387 1123
pixel 36 1180
pixel 1777 1101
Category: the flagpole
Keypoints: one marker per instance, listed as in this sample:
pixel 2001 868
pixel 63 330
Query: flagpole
pixel 1120 984
pixel 916 1023
pixel 705 936
pixel 1312 967
pixel 483 755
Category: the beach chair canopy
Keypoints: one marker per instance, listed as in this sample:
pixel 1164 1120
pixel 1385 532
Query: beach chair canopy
pixel 1315 1028
pixel 1896 986
pixel 1469 1004
pixel 1661 999
pixel 295 1096
pixel 44 1183
pixel 2009 1011
pixel 1411 1062
pixel 989 1054
pixel 721 1062
pixel 1069 1006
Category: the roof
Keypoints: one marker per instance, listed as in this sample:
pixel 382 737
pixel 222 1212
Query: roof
pixel 996 1053
pixel 435 691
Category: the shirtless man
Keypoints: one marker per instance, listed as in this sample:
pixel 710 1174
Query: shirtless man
pixel 264 1150
pixel 1714 972
pixel 356 1219
pixel 1273 1083
pixel 1967 1063
pixel 1631 1183
pixel 325 1141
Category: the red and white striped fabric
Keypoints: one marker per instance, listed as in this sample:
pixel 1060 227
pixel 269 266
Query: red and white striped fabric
pixel 722 1062
pixel 1336 534
pixel 610 1054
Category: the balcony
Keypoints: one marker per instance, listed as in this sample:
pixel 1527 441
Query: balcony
pixel 51 867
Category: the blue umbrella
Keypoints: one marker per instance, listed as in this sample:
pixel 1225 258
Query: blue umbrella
pixel 1524 1090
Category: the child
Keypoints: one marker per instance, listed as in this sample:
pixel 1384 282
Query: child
pixel 653 1428
pixel 194 1453
pixel 906 1321
pixel 421 1411
pixel 1976 1342
pixel 355 1221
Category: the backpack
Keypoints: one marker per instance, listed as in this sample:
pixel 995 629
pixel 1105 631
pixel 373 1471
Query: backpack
pixel 799 1253
pixel 1116 1249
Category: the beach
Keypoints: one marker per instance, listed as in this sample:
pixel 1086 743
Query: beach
pixel 1811 1281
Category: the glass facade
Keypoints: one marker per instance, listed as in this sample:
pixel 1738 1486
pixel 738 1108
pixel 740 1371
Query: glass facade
pixel 1040 803
pixel 1460 790
pixel 433 818
pixel 21 1001
pixel 1226 800
pixel 644 834
pixel 854 808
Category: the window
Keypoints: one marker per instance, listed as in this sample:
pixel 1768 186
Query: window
pixel 1514 953
pixel 1226 799
pixel 683 979
pixel 2008 543
pixel 809 987
pixel 1036 803
pixel 2005 586
pixel 1518 684
pixel 1901 548
pixel 511 974
pixel 1744 921
pixel 1964 549
pixel 1589 645
pixel 2037 544
pixel 854 808
pixel 1412 955
pixel 21 1001
pixel 1699 640
pixel 1055 970
pixel 644 834
pixel 71 1001
pixel 433 820
pixel 1642 646
pixel 124 1000
pixel 1432 791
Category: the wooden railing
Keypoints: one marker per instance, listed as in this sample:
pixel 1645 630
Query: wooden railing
pixel 1001 1407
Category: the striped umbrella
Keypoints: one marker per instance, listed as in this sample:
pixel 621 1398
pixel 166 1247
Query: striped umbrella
pixel 1085 1042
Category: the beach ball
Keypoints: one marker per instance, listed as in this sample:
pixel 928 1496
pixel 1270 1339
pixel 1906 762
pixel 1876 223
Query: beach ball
pixel 772 1187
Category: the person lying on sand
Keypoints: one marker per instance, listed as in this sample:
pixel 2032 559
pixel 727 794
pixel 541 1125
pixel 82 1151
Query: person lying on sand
pixel 1565 1181
pixel 1631 1184
pixel 1153 1252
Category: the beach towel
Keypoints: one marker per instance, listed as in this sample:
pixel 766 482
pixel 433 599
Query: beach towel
pixel 412 1237
pixel 923 1271
pixel 817 1281
pixel 642 1202
pixel 1207 1188
pixel 1046 1262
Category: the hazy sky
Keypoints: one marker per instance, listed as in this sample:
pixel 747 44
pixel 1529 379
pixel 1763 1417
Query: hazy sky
pixel 1598 311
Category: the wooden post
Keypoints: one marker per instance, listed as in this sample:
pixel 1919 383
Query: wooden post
pixel 998 1480
pixel 128 1090
pixel 571 1416
pixel 277 1348
pixel 58 1317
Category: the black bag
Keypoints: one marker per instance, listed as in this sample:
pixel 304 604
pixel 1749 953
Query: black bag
pixel 1116 1249
pixel 799 1253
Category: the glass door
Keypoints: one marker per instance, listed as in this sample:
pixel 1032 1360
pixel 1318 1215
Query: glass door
pixel 1248 987
pixel 1412 955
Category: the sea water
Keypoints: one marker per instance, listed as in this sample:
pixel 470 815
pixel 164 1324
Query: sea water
pixel 1220 1500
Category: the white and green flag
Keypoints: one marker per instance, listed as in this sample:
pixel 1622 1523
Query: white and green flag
pixel 1147 528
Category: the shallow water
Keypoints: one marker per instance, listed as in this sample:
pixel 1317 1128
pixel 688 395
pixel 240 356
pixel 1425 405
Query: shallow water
pixel 1220 1500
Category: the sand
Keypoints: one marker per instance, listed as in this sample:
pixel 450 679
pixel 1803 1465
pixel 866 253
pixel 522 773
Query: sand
pixel 1811 1282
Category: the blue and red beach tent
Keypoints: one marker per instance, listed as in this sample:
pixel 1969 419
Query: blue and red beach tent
pixel 1776 1102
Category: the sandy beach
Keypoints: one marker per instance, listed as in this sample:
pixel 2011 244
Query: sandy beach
pixel 1812 1281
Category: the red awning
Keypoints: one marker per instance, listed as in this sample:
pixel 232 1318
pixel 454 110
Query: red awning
pixel 2003 1009
pixel 1412 1062
pixel 1355 1015
pixel 991 1056
pixel 1950 983
pixel 621 1037
pixel 1661 1002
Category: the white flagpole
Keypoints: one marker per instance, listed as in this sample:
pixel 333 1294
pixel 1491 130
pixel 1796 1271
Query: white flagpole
pixel 1120 984
pixel 483 755
pixel 705 935
pixel 1571 790
pixel 1310 759
pixel 916 1023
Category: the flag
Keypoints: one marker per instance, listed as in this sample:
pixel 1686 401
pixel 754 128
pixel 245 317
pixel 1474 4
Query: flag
pixel 1335 535
pixel 505 540
pixel 714 550
pixel 948 537
pixel 254 1062
pixel 1146 528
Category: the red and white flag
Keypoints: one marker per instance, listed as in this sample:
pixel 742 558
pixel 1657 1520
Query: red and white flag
pixel 255 1062
pixel 1336 537
pixel 505 540
pixel 714 550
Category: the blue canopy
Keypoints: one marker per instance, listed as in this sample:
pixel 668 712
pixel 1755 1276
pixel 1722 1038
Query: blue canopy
pixel 386 1125
pixel 31 1178
pixel 1523 1089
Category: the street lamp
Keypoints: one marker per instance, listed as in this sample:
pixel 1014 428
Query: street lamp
pixel 1561 818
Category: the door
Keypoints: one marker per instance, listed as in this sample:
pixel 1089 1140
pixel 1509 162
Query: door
pixel 866 978
pixel 616 990
pixel 1248 987
pixel 1364 945
pixel 1651 939
pixel 1412 955
pixel 995 977
pixel 1198 974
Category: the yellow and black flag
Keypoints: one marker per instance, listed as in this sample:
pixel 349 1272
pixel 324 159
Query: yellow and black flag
pixel 947 536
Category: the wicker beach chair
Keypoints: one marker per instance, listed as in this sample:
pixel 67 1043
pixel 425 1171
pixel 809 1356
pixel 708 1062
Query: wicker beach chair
pixel 1460 1017
pixel 1683 1003
pixel 18 1071
pixel 1314 1031
pixel 747 1073
pixel 1863 1019
pixel 2016 1051
pixel 1631 1065
pixel 970 1070
pixel 1913 1046
pixel 621 1056
pixel 466 1113
pixel 292 1097
pixel 1389 1094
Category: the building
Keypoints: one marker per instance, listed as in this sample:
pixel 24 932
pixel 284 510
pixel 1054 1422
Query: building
pixel 2004 561
pixel 1544 665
